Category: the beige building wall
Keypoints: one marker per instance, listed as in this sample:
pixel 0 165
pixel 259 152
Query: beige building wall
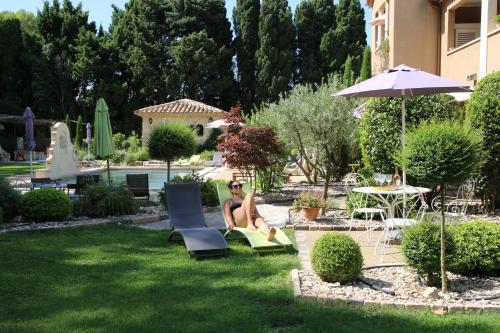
pixel 193 119
pixel 493 63
pixel 411 29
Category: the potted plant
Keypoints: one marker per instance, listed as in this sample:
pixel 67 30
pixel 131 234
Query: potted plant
pixel 310 203
pixel 497 20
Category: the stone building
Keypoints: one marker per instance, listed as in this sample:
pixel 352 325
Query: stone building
pixel 194 114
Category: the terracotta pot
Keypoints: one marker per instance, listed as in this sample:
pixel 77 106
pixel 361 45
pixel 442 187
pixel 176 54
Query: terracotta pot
pixel 310 213
pixel 286 178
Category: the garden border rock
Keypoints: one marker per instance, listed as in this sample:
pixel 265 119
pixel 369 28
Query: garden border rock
pixel 437 307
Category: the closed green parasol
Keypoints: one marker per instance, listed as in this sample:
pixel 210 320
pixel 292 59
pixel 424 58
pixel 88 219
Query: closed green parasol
pixel 103 143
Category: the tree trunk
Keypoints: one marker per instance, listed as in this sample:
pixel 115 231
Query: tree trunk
pixel 444 282
pixel 168 172
pixel 325 190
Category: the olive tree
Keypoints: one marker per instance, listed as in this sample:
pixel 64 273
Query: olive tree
pixel 483 113
pixel 316 125
pixel 442 153
pixel 171 141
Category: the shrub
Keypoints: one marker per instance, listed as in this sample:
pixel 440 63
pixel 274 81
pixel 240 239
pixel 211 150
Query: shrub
pixel 337 258
pixel 477 248
pixel 171 141
pixel 118 139
pixel 272 177
pixel 104 200
pixel 442 153
pixel 380 136
pixel 483 113
pixel 211 142
pixel 45 204
pixel 421 245
pixel 118 157
pixel 9 200
pixel 308 199
pixel 208 189
pixel 207 155
pixel 132 143
pixel 132 157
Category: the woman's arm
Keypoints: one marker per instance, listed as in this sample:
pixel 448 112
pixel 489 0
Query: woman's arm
pixel 229 216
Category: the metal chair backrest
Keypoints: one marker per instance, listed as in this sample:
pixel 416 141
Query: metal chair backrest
pixel 416 206
pixel 463 198
pixel 39 182
pixel 358 200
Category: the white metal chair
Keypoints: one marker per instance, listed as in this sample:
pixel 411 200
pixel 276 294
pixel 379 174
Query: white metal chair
pixel 415 211
pixel 456 206
pixel 359 203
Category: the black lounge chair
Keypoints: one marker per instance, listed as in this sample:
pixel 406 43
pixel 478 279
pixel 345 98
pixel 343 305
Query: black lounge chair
pixel 139 185
pixel 81 182
pixel 39 182
pixel 186 218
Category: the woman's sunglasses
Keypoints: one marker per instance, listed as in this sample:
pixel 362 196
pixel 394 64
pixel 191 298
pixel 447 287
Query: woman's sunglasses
pixel 237 186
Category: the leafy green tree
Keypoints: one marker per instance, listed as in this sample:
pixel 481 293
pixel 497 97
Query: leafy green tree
pixel 442 153
pixel 380 136
pixel 276 54
pixel 171 141
pixel 348 73
pixel 366 69
pixel 313 19
pixel 246 43
pixel 483 113
pixel 79 132
pixel 348 37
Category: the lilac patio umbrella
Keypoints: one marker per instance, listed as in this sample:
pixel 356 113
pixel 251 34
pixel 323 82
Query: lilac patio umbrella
pixel 30 134
pixel 402 81
pixel 89 137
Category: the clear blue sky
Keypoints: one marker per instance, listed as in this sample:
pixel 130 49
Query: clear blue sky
pixel 100 10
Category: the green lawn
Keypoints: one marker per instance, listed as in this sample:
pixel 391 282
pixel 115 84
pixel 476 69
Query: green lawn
pixel 13 169
pixel 123 279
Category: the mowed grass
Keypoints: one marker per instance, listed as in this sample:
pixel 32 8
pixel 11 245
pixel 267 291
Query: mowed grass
pixel 123 279
pixel 14 169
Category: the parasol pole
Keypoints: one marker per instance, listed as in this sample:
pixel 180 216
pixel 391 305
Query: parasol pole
pixel 403 123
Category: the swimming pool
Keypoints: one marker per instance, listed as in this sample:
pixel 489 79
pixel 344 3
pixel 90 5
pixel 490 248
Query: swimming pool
pixel 156 176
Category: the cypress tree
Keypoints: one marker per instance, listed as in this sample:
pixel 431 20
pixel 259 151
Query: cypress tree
pixel 79 132
pixel 276 54
pixel 366 67
pixel 246 43
pixel 348 38
pixel 348 73
pixel 313 19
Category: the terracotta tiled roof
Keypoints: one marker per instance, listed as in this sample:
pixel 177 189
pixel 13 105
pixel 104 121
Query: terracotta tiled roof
pixel 181 105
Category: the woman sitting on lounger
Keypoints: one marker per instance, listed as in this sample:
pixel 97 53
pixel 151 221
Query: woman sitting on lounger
pixel 241 211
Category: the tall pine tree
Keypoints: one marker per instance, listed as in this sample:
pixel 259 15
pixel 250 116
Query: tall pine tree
pixel 348 38
pixel 313 19
pixel 366 65
pixel 276 54
pixel 246 43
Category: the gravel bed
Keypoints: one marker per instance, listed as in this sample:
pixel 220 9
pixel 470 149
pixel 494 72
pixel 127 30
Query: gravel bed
pixel 398 284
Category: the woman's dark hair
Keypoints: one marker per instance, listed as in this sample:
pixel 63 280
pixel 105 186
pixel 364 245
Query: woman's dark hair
pixel 230 184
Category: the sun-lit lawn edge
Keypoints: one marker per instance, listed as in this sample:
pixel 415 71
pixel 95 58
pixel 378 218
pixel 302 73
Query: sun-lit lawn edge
pixel 14 169
pixel 123 279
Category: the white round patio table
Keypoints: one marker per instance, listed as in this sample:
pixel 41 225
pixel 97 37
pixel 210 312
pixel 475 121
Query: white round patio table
pixel 389 195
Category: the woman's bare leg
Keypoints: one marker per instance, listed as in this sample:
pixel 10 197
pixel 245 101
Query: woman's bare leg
pixel 249 206
pixel 262 226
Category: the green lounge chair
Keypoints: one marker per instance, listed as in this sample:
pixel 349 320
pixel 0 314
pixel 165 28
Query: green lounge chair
pixel 257 240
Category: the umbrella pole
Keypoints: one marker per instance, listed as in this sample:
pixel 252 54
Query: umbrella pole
pixel 109 175
pixel 403 123
pixel 31 163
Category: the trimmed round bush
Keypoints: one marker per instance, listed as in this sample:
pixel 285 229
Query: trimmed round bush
pixel 337 258
pixel 477 248
pixel 45 204
pixel 421 245
pixel 9 200
pixel 104 200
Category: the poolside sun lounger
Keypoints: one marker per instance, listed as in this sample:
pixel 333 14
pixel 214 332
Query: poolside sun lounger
pixel 257 240
pixel 216 160
pixel 81 182
pixel 138 184
pixel 186 218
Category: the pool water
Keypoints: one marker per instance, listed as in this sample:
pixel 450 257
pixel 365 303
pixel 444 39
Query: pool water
pixel 156 177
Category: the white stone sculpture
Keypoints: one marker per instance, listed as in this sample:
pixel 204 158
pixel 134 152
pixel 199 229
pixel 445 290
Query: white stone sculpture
pixel 61 160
